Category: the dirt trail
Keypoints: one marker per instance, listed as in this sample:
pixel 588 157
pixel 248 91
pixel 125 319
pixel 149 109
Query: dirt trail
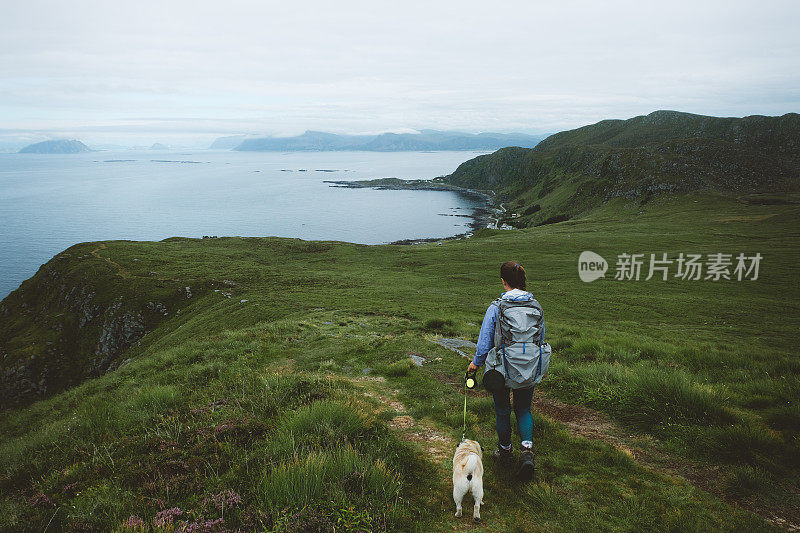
pixel 583 422
pixel 124 272
pixel 121 271
pixel 438 445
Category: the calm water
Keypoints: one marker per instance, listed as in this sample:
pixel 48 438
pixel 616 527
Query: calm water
pixel 50 202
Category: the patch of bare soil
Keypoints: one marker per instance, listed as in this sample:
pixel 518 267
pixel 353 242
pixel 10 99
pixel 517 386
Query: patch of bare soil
pixel 401 422
pixel 582 421
pixel 433 442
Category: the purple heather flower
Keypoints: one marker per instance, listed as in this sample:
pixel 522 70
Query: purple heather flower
pixel 133 522
pixel 207 526
pixel 40 499
pixel 225 499
pixel 165 517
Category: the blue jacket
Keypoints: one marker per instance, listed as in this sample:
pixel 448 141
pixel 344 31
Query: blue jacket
pixel 486 337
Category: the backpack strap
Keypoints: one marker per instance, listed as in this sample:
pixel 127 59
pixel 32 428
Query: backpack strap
pixel 498 330
pixel 498 335
pixel 505 361
pixel 541 339
pixel 539 364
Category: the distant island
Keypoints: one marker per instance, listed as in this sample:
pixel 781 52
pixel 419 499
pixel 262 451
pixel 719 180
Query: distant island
pixel 56 147
pixel 159 146
pixel 227 143
pixel 318 141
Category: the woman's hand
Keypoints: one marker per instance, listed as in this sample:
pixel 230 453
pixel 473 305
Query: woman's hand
pixel 472 367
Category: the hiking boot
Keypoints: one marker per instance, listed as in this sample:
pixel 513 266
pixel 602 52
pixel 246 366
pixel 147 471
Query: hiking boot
pixel 526 465
pixel 503 457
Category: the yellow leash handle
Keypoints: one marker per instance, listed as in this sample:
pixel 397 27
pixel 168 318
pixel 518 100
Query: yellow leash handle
pixel 469 383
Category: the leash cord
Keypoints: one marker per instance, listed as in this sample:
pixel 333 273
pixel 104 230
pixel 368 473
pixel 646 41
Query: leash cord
pixel 464 431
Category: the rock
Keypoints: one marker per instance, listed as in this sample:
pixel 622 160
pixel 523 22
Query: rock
pixel 418 359
pixel 456 344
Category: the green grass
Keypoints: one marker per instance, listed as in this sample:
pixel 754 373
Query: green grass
pixel 657 396
pixel 265 397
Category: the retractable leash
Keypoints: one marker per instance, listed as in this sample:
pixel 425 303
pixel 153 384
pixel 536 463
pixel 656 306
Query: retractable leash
pixel 469 383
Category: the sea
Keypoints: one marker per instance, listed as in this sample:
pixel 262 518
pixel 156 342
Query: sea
pixel 49 202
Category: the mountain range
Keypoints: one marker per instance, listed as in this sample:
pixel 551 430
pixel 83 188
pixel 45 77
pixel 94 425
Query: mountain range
pixel 385 142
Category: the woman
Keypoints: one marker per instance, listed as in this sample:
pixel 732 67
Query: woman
pixel 512 275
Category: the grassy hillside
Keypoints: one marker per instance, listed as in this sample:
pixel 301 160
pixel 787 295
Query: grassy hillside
pixel 665 152
pixel 282 395
pixel 76 317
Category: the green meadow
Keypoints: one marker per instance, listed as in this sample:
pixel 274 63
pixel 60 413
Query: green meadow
pixel 282 396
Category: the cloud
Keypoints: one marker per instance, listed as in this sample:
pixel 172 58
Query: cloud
pixel 267 67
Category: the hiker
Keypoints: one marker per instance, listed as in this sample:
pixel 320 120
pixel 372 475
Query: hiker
pixel 511 345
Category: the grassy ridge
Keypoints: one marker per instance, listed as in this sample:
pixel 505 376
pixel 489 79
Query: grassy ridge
pixel 257 389
pixel 574 171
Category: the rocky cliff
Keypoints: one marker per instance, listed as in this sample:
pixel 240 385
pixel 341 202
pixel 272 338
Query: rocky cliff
pixel 75 319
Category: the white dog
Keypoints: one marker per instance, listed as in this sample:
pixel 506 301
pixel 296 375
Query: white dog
pixel 468 476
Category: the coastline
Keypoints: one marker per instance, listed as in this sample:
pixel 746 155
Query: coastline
pixel 486 216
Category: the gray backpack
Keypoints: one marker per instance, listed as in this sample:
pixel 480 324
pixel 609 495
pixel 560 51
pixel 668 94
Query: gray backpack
pixel 520 352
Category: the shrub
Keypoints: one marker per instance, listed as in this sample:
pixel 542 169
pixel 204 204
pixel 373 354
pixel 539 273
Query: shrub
pixel 554 220
pixel 322 424
pixel 532 209
pixel 595 384
pixel 270 395
pixel 440 326
pixel 399 368
pixel 333 475
pixel 589 349
pixel 742 443
pixel 156 399
pixel 560 343
pixel 747 480
pixel 654 396
pixel 784 417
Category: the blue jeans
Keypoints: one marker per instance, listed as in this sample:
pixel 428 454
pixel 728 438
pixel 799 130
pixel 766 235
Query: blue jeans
pixel 522 410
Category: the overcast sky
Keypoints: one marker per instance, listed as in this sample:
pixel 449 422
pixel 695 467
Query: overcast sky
pixel 188 71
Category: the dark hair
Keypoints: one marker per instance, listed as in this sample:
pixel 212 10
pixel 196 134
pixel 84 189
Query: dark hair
pixel 513 274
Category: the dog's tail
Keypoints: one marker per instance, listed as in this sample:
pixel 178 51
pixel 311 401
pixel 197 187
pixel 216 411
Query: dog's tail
pixel 472 462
